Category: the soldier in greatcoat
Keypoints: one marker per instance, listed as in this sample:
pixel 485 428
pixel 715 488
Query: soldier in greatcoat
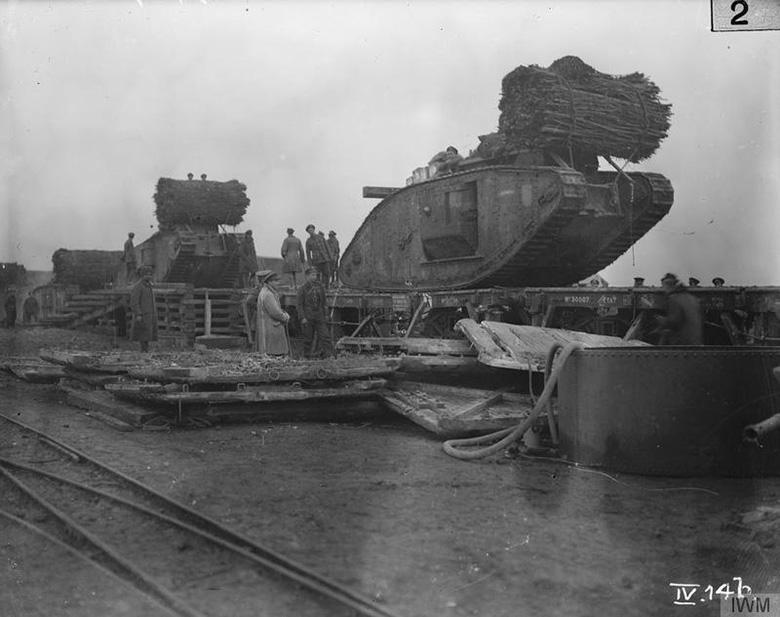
pixel 144 325
pixel 247 258
pixel 272 337
pixel 293 255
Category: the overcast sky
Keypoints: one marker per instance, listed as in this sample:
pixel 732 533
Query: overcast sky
pixel 307 102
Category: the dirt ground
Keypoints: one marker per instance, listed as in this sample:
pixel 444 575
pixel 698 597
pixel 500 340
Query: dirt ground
pixel 376 505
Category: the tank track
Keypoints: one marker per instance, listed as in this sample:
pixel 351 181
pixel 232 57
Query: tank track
pixel 527 265
pixel 535 265
pixel 660 199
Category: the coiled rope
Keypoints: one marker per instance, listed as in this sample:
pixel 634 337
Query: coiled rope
pixel 505 437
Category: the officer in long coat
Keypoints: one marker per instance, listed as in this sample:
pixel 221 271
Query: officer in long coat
pixel 293 255
pixel 144 325
pixel 271 337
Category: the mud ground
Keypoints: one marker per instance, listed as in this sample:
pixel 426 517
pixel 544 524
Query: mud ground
pixel 376 505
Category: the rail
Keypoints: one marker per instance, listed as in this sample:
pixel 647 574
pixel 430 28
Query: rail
pixel 152 504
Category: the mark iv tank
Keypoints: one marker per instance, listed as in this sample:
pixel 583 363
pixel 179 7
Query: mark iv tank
pixel 524 222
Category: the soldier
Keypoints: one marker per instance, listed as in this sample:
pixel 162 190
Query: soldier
pixel 247 259
pixel 447 161
pixel 30 309
pixel 311 310
pixel 128 256
pixel 682 324
pixel 144 326
pixel 10 308
pixel 335 253
pixel 693 281
pixel 293 255
pixel 317 253
pixel 271 319
pixel 718 282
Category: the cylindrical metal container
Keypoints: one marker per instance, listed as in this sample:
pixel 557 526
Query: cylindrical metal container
pixel 675 411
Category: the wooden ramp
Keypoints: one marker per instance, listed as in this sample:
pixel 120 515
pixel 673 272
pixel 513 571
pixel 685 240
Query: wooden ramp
pixel 456 412
pixel 525 348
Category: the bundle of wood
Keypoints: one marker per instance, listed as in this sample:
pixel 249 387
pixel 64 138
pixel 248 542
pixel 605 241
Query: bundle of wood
pixel 200 202
pixel 570 104
pixel 87 269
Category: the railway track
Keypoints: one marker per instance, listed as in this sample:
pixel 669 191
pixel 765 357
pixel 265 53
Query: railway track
pixel 185 562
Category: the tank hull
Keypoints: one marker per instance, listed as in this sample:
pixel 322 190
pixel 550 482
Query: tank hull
pixel 502 225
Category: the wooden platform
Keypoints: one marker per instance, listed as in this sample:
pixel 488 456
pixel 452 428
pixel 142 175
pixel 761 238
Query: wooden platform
pixel 456 412
pixel 274 372
pixel 143 393
pixel 525 348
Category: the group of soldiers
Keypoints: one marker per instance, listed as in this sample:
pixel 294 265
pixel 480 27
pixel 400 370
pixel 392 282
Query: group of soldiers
pixel 318 260
pixel 321 253
pixel 31 309
pixel 272 321
pixel 319 264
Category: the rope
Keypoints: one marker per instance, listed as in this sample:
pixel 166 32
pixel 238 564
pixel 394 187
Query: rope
pixel 507 436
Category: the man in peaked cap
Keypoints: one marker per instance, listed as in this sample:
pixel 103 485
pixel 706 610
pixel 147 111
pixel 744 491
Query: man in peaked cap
pixel 318 254
pixel 693 281
pixel 272 321
pixel 311 311
pixel 682 324
pixel 718 281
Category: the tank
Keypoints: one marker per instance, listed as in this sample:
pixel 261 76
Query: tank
pixel 497 224
pixel 191 245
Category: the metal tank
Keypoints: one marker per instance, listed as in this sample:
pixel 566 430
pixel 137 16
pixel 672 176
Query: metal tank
pixel 502 225
pixel 672 411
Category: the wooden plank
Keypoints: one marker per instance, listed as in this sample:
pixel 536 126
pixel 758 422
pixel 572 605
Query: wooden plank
pixel 526 347
pixel 454 412
pixel 479 406
pixel 423 363
pixel 488 351
pixel 270 394
pixel 432 346
pixel 423 416
pixel 90 378
pixel 104 403
pixel 37 374
pixel 379 192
